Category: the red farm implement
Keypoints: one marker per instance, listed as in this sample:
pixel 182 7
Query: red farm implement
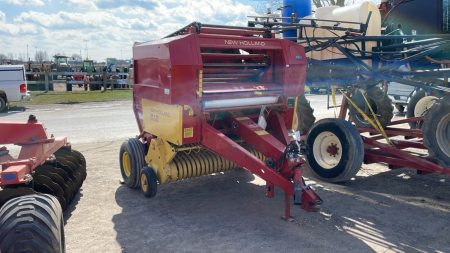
pixel 211 98
pixel 40 182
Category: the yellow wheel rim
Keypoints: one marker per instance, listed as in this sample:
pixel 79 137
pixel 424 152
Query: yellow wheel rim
pixel 144 183
pixel 126 164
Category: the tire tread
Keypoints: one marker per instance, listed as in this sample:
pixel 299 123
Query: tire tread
pixel 32 223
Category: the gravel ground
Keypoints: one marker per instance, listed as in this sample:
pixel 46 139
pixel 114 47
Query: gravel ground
pixel 378 211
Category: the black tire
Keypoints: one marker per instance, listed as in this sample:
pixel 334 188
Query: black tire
pixel 381 105
pixel 148 182
pixel 2 104
pixel 32 223
pixel 68 87
pixel 410 112
pixel 418 95
pixel 132 160
pixel 436 128
pixel 351 147
pixel 305 115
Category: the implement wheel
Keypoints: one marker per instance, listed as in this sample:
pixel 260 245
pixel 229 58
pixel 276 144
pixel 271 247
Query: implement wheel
pixel 336 150
pixel 436 131
pixel 32 223
pixel 148 182
pixel 305 117
pixel 380 103
pixel 132 160
pixel 2 104
pixel 418 105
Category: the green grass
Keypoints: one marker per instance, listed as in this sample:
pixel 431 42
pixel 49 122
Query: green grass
pixel 71 97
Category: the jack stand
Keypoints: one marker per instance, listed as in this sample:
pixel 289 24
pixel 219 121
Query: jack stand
pixel 287 212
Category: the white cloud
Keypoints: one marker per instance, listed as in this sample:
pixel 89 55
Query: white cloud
pixel 110 30
pixel 24 2
pixel 2 17
pixel 84 4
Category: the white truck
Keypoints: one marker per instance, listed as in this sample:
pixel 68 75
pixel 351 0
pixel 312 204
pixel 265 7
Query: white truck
pixel 13 85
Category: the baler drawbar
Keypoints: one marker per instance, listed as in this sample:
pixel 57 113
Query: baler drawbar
pixel 198 96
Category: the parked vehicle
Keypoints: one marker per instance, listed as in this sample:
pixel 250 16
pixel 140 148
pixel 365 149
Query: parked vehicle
pixel 13 85
pixel 400 94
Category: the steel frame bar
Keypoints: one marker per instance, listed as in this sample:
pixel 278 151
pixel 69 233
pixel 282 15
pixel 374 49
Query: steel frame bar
pixel 396 157
pixel 220 144
pixel 394 132
pixel 407 159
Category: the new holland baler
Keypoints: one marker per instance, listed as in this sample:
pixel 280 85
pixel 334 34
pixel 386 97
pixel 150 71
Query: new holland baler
pixel 211 98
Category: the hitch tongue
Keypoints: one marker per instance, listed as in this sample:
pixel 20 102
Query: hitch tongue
pixel 304 194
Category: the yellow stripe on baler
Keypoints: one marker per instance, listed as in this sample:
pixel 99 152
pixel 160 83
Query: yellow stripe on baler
pixel 200 83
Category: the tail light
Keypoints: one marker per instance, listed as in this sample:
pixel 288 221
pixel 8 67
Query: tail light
pixel 23 88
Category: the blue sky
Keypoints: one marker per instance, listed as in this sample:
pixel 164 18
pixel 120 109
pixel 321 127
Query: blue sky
pixel 111 26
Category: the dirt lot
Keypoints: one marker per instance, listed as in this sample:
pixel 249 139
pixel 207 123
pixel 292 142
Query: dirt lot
pixel 378 211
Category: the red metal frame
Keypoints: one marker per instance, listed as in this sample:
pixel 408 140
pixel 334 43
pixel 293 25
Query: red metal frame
pixel 395 157
pixel 36 149
pixel 270 147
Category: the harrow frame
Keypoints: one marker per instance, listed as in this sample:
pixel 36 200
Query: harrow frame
pixel 36 148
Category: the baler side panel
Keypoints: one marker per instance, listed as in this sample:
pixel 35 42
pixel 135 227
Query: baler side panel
pixel 185 78
pixel 146 58
pixel 168 74
pixel 184 73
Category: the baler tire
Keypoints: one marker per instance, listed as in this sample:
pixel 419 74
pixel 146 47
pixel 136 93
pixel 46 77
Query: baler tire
pixel 132 160
pixel 32 223
pixel 411 108
pixel 305 115
pixel 148 182
pixel 2 104
pixel 349 161
pixel 435 130
pixel 381 105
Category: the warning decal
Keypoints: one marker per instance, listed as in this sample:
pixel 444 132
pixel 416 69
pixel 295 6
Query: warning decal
pixel 188 132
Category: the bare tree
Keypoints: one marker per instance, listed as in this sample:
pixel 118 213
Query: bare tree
pixel 322 3
pixel 77 57
pixel 3 59
pixel 21 57
pixel 41 56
